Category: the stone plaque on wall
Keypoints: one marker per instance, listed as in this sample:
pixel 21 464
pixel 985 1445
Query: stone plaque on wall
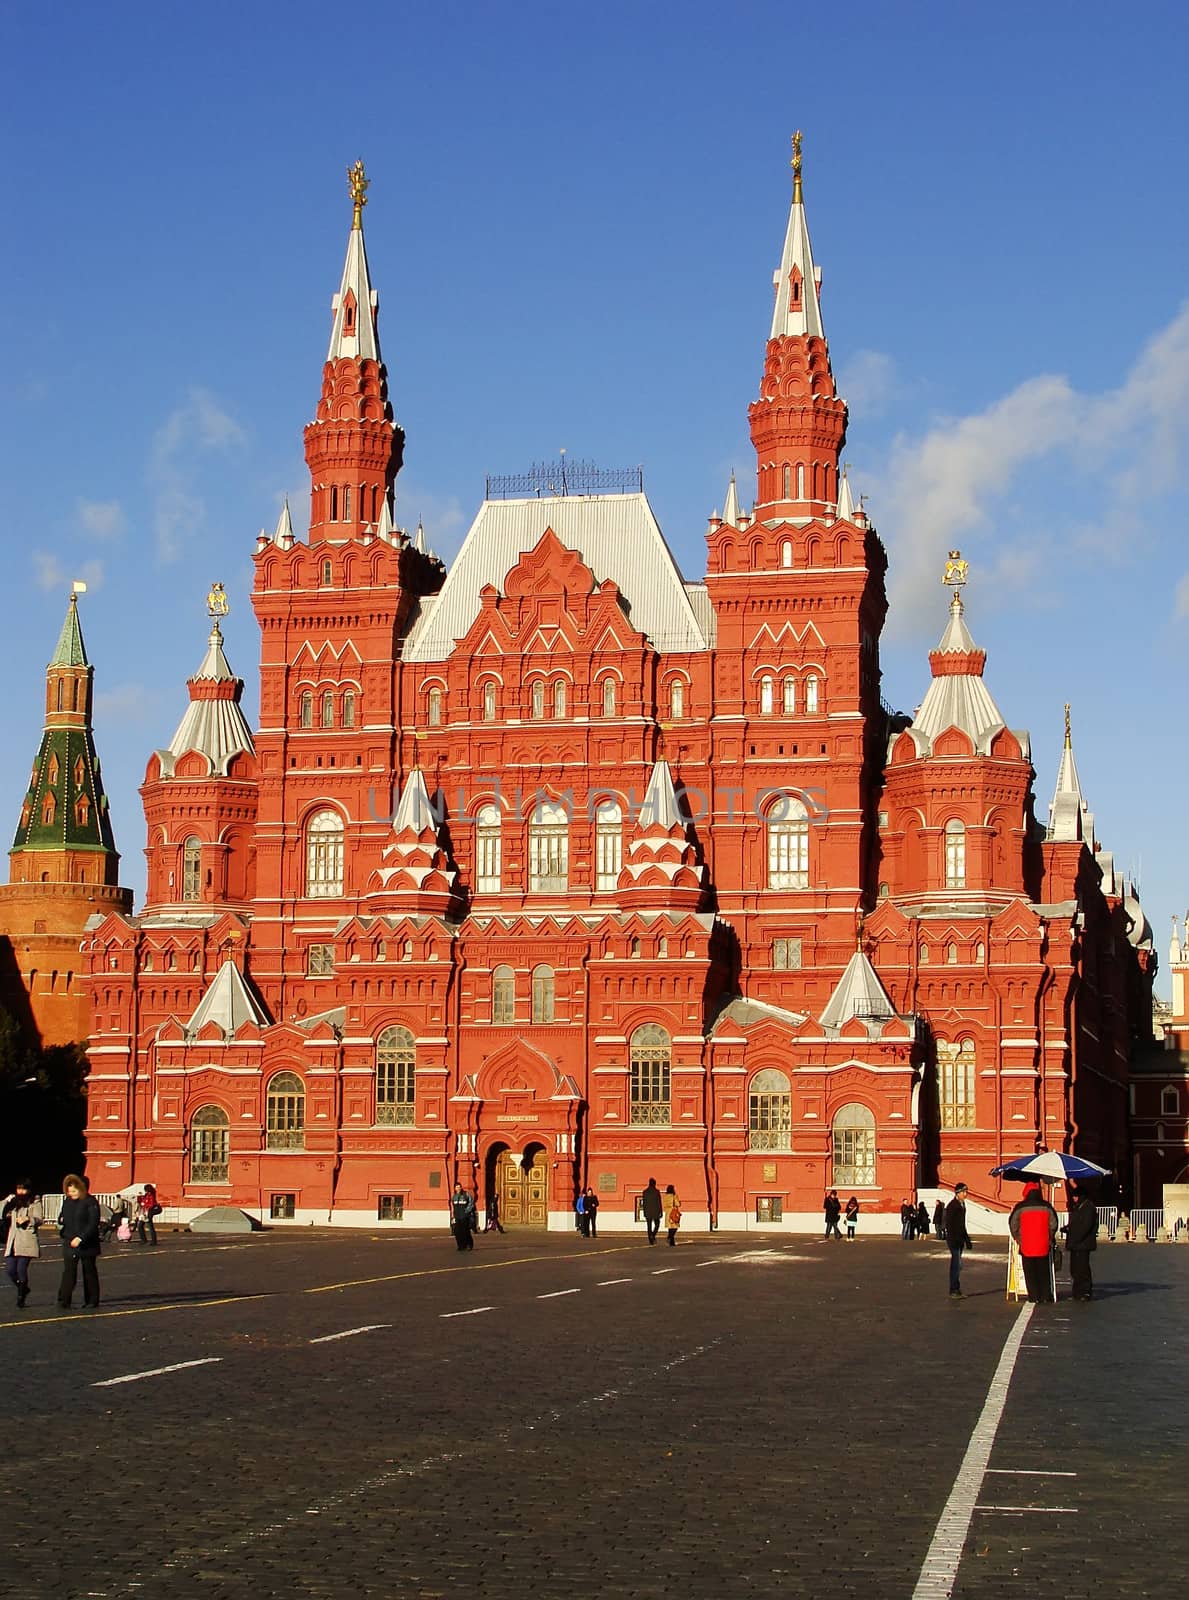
pixel 608 1183
pixel 769 1172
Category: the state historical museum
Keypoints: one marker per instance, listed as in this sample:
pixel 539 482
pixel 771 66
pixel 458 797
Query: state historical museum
pixel 554 868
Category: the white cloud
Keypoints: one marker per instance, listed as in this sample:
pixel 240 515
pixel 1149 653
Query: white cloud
pixel 49 572
pixel 190 431
pixel 950 485
pixel 102 519
pixel 867 382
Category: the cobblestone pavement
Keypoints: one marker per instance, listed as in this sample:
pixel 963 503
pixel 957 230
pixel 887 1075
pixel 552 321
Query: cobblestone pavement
pixel 347 1415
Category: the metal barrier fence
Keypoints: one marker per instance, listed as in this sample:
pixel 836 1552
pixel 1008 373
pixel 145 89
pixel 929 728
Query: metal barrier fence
pixel 51 1207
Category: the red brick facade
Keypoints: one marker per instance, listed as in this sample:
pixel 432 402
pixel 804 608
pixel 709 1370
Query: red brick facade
pixel 578 896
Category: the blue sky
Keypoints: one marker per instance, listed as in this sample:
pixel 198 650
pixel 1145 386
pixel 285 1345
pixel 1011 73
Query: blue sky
pixel 575 215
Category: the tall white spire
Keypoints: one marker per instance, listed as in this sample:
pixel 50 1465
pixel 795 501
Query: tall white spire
pixel 1070 818
pixel 846 501
pixel 284 531
pixel 356 305
pixel 797 280
pixel 730 512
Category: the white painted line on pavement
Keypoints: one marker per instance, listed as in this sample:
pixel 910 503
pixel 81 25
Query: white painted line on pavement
pixel 1027 1472
pixel 940 1569
pixel 1048 1511
pixel 606 1282
pixel 473 1312
pixel 349 1333
pixel 155 1372
pixel 659 1272
pixel 557 1293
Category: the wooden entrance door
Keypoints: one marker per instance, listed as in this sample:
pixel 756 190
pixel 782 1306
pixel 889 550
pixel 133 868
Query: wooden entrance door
pixel 522 1188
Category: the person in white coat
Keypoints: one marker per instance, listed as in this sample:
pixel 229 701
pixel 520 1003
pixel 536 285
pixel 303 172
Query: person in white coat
pixel 22 1211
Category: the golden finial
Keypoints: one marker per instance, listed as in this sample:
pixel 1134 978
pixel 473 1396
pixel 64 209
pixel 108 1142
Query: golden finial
pixel 358 185
pixel 217 604
pixel 955 570
pixel 1068 732
pixel 797 167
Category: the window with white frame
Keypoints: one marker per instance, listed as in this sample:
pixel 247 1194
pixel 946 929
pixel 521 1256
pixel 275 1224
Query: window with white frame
pixel 811 691
pixel 789 696
pixel 396 1061
pixel 608 697
pixel 328 709
pixel 538 699
pixel 650 1088
pixel 854 1146
pixel 548 848
pixel 435 708
pixel 955 1083
pixel 320 961
pixel 543 992
pixel 285 1113
pixel 955 854
pixel 324 855
pixel 769 1111
pixel 608 846
pixel 766 695
pixel 487 850
pixel 349 709
pixel 788 846
pixel 786 955
pixel 677 699
pixel 1170 1101
pixel 306 709
pixel 489 702
pixel 210 1145
pixel 503 995
pixel 192 869
pixel 559 698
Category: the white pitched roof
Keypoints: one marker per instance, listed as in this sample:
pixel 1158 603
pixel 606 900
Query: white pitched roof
pixel 229 1002
pixel 806 316
pixel 218 728
pixel 1070 817
pixel 859 994
pixel 363 341
pixel 615 534
pixel 730 510
pixel 846 503
pixel 415 810
pixel 660 800
pixel 962 699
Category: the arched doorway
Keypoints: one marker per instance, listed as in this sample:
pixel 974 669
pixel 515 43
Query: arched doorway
pixel 521 1181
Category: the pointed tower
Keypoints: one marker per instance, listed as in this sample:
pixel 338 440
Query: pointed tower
pixel 63 862
pixel 415 876
pixel 1070 818
pixel 798 424
pixel 200 794
pixel 661 869
pixel 353 447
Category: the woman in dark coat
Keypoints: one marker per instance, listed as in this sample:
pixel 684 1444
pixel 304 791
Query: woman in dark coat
pixel 79 1227
pixel 922 1221
pixel 1081 1236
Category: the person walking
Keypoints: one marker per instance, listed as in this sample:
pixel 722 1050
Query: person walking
pixel 592 1213
pixel 581 1220
pixel 652 1209
pixel 23 1214
pixel 832 1207
pixel 957 1238
pixel 908 1219
pixel 922 1221
pixel 494 1225
pixel 1081 1236
pixel 147 1210
pixel 939 1220
pixel 79 1228
pixel 461 1215
pixel 1033 1225
pixel 672 1213
pixel 852 1216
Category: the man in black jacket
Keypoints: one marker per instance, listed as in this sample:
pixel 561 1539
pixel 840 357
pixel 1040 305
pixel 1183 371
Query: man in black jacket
pixel 957 1238
pixel 1081 1236
pixel 652 1209
pixel 79 1227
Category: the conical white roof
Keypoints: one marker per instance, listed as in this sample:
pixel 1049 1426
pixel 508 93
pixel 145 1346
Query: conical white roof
pixel 859 994
pixel 730 510
pixel 959 699
pixel 216 728
pixel 360 338
pixel 846 503
pixel 660 800
pixel 1070 817
pixel 415 810
pixel 803 314
pixel 229 1002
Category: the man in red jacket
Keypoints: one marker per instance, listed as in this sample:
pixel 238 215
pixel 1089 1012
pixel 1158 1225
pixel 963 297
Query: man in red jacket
pixel 1033 1225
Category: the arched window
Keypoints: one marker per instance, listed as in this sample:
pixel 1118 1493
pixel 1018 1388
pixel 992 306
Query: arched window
pixel 324 855
pixel 769 1111
pixel 82 809
pixel 955 1083
pixel 955 854
pixel 503 995
pixel 538 699
pixel 328 709
pixel 210 1145
pixel 951 955
pixel 489 702
pixel 924 956
pixel 786 553
pixel 327 574
pixel 980 953
pixel 790 696
pixel 788 845
pixel 542 994
pixel 395 1077
pixel 559 698
pixel 811 686
pixel 192 869
pixel 787 481
pixel 650 1092
pixel 1170 1101
pixel 48 807
pixel 854 1147
pixel 766 695
pixel 306 713
pixel 435 708
pixel 548 848
pixel 608 697
pixel 285 1113
pixel 349 709
pixel 487 850
pixel 677 699
pixel 334 504
pixel 800 482
pixel 347 503
pixel 608 846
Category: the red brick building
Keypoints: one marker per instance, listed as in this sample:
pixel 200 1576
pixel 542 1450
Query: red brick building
pixel 63 865
pixel 1160 1099
pixel 558 869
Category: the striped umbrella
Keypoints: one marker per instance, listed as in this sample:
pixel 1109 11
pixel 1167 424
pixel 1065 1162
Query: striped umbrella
pixel 1051 1165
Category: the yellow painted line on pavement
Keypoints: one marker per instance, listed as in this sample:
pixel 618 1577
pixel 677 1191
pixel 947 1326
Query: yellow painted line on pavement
pixel 61 1318
pixel 479 1266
